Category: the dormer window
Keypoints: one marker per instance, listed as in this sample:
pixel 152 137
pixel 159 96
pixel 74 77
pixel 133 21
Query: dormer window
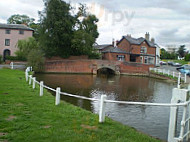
pixel 143 50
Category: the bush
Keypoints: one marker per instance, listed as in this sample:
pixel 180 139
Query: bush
pixel 36 60
pixel 16 58
pixel 1 59
pixel 94 55
pixel 187 57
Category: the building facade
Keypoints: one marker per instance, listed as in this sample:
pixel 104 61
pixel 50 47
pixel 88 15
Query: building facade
pixel 9 36
pixel 140 50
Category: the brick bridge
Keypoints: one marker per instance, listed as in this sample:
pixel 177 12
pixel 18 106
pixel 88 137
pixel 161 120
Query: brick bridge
pixel 92 66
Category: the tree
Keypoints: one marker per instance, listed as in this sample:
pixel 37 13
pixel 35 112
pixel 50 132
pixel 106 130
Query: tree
pixel 36 59
pixel 56 28
pixel 25 46
pixel 20 19
pixel 181 51
pixel 85 33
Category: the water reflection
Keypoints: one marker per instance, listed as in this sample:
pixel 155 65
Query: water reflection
pixel 151 120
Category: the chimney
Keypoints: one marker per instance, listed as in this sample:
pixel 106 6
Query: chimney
pixel 128 35
pixel 147 36
pixel 113 42
pixel 152 40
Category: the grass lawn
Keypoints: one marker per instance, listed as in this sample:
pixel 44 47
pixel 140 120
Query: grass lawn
pixel 27 117
pixel 178 61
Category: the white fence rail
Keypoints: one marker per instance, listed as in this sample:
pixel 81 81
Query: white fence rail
pixel 180 97
pixel 171 73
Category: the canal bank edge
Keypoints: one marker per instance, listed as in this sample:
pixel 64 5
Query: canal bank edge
pixel 43 118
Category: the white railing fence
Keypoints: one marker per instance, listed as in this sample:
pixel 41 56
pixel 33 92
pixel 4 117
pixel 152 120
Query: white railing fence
pixel 171 73
pixel 180 98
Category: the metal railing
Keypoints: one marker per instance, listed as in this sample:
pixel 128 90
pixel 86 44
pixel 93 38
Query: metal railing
pixel 180 98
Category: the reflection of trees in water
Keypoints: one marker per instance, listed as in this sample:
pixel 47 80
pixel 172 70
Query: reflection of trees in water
pixel 127 88
pixel 123 88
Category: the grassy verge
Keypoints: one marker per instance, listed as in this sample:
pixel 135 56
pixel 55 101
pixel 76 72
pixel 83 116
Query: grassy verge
pixel 165 76
pixel 25 116
pixel 177 61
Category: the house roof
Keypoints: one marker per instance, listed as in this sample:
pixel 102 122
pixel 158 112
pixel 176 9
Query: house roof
pixel 15 26
pixel 100 47
pixel 114 50
pixel 138 41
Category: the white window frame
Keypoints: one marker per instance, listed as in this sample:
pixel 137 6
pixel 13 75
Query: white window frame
pixel 7 42
pixel 143 50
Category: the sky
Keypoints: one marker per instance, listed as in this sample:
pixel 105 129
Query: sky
pixel 168 21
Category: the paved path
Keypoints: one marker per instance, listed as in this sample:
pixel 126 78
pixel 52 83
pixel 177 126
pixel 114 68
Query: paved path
pixel 21 67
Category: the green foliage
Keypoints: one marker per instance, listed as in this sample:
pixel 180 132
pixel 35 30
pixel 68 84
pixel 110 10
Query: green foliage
pixel 16 58
pixel 187 57
pixel 56 28
pixel 85 33
pixel 25 46
pixel 94 55
pixel 181 51
pixel 62 34
pixel 166 55
pixel 1 59
pixel 20 19
pixel 36 59
pixel 80 44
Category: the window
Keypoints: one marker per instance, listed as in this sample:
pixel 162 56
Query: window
pixel 7 31
pixel 141 59
pixel 7 42
pixel 121 57
pixel 143 49
pixel 148 60
pixel 21 32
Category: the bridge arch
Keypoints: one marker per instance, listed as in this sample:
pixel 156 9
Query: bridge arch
pixel 106 70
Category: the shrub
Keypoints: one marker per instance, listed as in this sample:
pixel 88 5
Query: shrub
pixel 16 58
pixel 1 59
pixel 94 55
pixel 36 60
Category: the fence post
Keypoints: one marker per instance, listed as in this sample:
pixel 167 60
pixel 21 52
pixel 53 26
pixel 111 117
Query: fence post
pixel 163 71
pixel 173 74
pixel 102 109
pixel 168 72
pixel 57 98
pixel 34 83
pixel 30 68
pixel 178 81
pixel 26 75
pixel 188 123
pixel 177 95
pixel 41 88
pixel 185 80
pixel 12 65
pixel 30 79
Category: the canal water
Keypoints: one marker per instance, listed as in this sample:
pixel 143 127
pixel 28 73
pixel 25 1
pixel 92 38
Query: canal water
pixel 152 120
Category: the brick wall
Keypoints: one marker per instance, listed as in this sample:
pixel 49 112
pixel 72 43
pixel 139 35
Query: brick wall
pixel 89 66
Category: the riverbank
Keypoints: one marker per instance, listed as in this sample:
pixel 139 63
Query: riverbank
pixel 25 116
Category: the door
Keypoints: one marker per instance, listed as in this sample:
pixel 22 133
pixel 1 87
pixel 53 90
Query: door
pixel 6 53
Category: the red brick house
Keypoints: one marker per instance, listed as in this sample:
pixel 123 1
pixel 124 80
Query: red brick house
pixel 129 49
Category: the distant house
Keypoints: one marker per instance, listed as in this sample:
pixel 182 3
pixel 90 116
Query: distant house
pixel 140 50
pixel 9 36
